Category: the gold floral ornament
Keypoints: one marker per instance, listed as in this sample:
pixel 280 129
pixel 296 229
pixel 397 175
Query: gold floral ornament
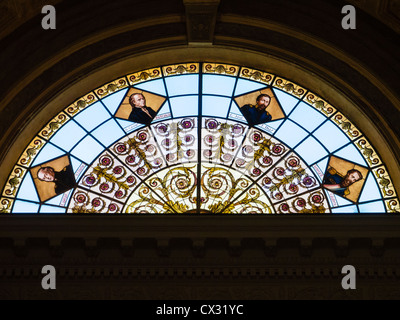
pixel 144 75
pixel 144 200
pixel 88 202
pixel 221 191
pixel 52 127
pixel 393 206
pixel 177 185
pixel 315 203
pixel 320 104
pixel 368 152
pixel 384 182
pixel 111 87
pixel 5 205
pixel 252 201
pixel 256 75
pixel 224 69
pixel 31 151
pixel 81 104
pixel 289 87
pixel 178 69
pixel 14 181
pixel 343 123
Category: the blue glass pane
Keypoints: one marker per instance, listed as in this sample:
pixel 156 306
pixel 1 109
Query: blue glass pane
pixel 87 150
pixel 48 152
pixel 342 201
pixel 215 106
pixel 290 133
pixel 307 117
pixel 56 200
pixel 27 190
pixel 51 209
pixel 320 169
pixel 185 84
pixel 331 136
pixel 371 190
pixel 108 132
pixel 287 101
pixel 91 117
pixel 155 86
pixel 337 201
pixel 68 136
pixel 185 106
pixel 311 150
pixel 113 101
pixel 222 85
pixel 61 200
pixel 270 127
pixel 352 154
pixel 129 126
pixel 243 86
pixel 372 207
pixel 235 113
pixel 78 167
pixel 348 209
pixel 164 113
pixel 25 207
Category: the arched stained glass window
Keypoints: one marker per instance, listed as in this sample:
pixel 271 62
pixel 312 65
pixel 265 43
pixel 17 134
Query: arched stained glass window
pixel 200 138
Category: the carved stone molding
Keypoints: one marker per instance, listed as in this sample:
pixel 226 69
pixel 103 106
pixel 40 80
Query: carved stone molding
pixel 201 16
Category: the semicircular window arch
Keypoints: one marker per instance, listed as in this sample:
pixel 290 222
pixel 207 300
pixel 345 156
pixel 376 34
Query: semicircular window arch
pixel 199 138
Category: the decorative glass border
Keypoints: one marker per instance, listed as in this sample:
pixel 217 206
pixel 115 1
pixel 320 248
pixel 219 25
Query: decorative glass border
pixel 342 122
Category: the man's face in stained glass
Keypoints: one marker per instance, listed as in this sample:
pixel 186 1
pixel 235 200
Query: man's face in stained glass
pixel 263 102
pixel 46 174
pixel 139 100
pixel 350 178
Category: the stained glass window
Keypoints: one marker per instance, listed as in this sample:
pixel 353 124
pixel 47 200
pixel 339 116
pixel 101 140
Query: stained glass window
pixel 199 138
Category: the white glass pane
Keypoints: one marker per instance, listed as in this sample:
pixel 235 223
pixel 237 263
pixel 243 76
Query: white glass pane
pixel 50 209
pixel 371 190
pixel 87 150
pixel 113 101
pixel 222 85
pixel 291 134
pixel 155 86
pixel 185 106
pixel 352 154
pixel 215 106
pixel 68 136
pixel 27 190
pixel 25 207
pixel 243 86
pixel 311 150
pixel 372 207
pixel 48 152
pixel 185 84
pixel 331 136
pixel 91 117
pixel 108 132
pixel 307 117
pixel 287 101
pixel 348 209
